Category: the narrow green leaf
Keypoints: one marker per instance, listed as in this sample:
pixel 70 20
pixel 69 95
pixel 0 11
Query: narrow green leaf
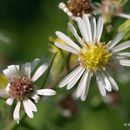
pixel 125 27
pixel 48 72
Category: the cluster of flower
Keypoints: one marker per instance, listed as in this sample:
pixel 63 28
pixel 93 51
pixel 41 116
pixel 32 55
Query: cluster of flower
pixel 93 57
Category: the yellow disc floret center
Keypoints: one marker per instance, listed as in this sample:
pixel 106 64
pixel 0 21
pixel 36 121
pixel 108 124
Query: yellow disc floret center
pixel 94 56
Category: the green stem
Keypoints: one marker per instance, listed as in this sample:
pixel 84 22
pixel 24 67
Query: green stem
pixel 14 125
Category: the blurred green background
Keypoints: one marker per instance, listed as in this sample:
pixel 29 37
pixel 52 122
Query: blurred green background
pixel 28 24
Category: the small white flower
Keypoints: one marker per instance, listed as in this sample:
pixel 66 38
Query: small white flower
pixel 94 56
pixel 22 88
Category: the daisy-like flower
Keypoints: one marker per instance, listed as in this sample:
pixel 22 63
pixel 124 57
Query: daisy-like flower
pixel 21 87
pixel 76 8
pixel 94 56
pixel 110 8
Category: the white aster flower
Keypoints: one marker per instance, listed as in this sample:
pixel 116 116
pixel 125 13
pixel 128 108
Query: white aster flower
pixel 22 88
pixel 94 56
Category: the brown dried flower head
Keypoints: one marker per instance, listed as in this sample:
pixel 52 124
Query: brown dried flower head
pixel 79 7
pixel 21 88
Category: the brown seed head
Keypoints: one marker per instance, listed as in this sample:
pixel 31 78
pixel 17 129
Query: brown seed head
pixel 21 88
pixel 79 7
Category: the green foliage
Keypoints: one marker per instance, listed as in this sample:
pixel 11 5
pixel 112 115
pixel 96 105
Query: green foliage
pixel 48 72
pixel 125 27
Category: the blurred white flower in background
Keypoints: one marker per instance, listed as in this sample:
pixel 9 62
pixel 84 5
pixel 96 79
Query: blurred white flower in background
pixel 110 8
pixel 4 39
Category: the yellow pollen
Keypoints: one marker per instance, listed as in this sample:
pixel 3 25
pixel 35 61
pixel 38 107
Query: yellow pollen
pixel 94 56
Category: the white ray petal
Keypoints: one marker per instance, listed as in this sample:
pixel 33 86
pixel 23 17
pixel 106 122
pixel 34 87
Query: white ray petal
pixel 124 62
pixel 116 40
pixel 8 88
pixel 127 16
pixel 26 69
pixel 67 40
pixel 107 86
pixel 36 98
pixel 39 72
pixel 13 70
pixel 4 93
pixel 16 112
pixel 114 84
pixel 66 10
pixel 101 84
pixel 119 57
pixel 121 46
pixel 75 79
pixel 69 77
pixel 27 109
pixel 31 105
pixel 73 30
pixel 82 29
pixel 61 5
pixel 123 54
pixel 46 92
pixel 83 86
pixel 65 47
pixel 70 14
pixel 9 101
pixel 8 75
pixel 93 27
pixel 99 28
pixel 86 89
pixel 88 27
pixel 17 67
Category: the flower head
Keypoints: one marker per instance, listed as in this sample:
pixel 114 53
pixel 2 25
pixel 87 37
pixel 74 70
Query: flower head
pixel 79 7
pixel 76 8
pixel 21 86
pixel 94 56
